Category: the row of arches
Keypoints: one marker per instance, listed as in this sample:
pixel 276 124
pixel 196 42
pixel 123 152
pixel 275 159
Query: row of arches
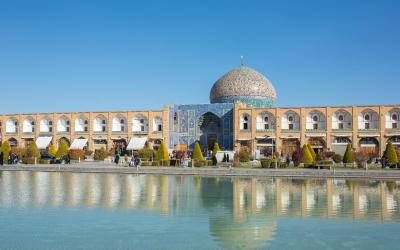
pixel 368 119
pixel 119 124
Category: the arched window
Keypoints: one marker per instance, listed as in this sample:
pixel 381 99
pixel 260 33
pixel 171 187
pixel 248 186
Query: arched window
pixel 63 124
pixel 12 125
pixel 393 119
pixel 46 125
pixel 157 124
pixel 100 124
pixel 28 125
pixel 81 124
pixel 341 119
pixel 315 120
pixel 244 122
pixel 139 124
pixel 265 121
pixel 290 121
pixel 119 124
pixel 368 119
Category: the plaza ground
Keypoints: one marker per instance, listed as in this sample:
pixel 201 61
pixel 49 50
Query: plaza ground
pixel 211 171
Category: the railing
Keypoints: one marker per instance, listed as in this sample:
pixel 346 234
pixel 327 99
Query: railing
pixel 290 130
pixel 265 130
pixel 140 132
pixel 12 133
pixel 45 133
pixel 316 130
pixel 341 129
pixel 392 129
pixel 367 129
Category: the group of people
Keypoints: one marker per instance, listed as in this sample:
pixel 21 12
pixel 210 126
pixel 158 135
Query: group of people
pixel 12 159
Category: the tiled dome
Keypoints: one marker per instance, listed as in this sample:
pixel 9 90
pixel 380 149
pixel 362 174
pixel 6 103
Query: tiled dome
pixel 246 85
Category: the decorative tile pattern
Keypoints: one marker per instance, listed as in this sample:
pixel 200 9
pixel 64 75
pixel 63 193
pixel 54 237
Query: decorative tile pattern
pixel 186 119
pixel 246 85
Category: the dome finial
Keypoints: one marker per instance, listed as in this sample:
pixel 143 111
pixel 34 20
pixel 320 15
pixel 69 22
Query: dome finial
pixel 241 61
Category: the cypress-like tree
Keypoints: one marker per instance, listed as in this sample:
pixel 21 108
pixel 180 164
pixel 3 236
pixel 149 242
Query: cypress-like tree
pixel 197 155
pixel 52 150
pixel 312 152
pixel 31 152
pixel 162 153
pixel 306 157
pixel 62 149
pixel 6 149
pixel 390 154
pixel 215 149
pixel 348 154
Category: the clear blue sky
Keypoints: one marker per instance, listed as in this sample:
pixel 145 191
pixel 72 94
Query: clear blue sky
pixel 128 55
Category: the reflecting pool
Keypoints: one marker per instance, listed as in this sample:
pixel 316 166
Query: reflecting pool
pixel 40 210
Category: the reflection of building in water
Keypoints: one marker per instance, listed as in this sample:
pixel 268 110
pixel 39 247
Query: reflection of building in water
pixel 274 196
pixel 40 189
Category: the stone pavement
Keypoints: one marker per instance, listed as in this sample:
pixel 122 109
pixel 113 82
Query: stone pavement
pixel 222 171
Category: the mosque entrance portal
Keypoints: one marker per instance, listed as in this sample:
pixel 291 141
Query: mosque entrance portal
pixel 209 130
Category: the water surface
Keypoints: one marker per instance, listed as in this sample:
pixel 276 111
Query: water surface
pixel 40 210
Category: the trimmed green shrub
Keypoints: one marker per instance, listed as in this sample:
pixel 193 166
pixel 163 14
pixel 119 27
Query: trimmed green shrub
pixel 162 152
pixel 197 155
pixel 52 150
pixel 62 150
pixel 283 165
pixel 312 152
pixel 337 158
pixel 200 163
pixel 348 154
pixel 215 149
pixel 265 163
pixel 6 149
pixel 306 158
pixel 100 154
pixel 145 153
pixel 390 154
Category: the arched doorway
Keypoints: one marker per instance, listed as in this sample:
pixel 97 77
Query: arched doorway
pixel 99 143
pixel 395 140
pixel 339 144
pixel 209 130
pixel 369 145
pixel 289 146
pixel 317 143
pixel 266 146
pixel 120 146
pixel 13 142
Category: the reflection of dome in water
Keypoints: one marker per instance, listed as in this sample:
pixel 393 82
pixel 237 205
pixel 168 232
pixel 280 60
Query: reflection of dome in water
pixel 249 233
pixel 246 85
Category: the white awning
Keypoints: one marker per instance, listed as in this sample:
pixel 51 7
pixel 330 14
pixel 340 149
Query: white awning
pixel 43 141
pixel 136 143
pixel 78 144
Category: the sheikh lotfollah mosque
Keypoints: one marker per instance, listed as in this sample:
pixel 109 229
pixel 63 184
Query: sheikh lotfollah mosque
pixel 241 113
